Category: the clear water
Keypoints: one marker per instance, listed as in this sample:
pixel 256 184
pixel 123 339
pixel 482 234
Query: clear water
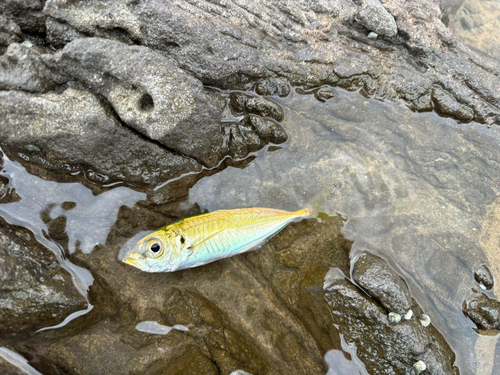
pixel 415 188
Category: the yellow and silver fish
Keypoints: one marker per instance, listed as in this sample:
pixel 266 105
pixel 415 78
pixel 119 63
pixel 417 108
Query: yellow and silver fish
pixel 203 239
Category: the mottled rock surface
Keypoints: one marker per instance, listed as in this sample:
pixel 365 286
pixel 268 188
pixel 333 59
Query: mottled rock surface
pixel 74 131
pixel 483 276
pixel 385 347
pixel 379 280
pixel 35 291
pixel 483 311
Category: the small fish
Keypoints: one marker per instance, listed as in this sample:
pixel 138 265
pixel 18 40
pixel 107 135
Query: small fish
pixel 203 239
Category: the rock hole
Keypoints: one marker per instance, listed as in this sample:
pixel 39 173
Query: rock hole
pixel 146 103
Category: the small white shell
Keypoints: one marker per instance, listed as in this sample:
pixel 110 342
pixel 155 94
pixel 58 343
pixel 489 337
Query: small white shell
pixel 408 315
pixel 372 35
pixel 425 320
pixel 419 367
pixel 394 317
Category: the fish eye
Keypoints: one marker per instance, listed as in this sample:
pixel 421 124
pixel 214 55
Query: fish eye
pixel 155 248
pixel 183 240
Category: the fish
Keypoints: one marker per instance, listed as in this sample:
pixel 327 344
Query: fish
pixel 206 238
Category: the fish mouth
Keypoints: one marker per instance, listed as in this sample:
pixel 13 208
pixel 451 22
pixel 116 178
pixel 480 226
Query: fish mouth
pixel 131 261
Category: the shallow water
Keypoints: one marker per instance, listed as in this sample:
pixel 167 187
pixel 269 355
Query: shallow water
pixel 417 189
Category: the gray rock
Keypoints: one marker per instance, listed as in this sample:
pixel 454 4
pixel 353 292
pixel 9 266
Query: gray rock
pixel 21 69
pixel 375 17
pixel 74 131
pixel 149 94
pixel 483 276
pixel 446 105
pixel 61 33
pixel 385 348
pixel 378 279
pixel 28 14
pixel 36 291
pixel 10 31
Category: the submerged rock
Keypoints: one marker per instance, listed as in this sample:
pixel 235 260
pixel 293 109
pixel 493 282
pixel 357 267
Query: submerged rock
pixel 36 291
pixel 379 280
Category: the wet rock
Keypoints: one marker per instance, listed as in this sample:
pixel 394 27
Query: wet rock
pixel 241 103
pixel 263 312
pixel 149 94
pixel 484 277
pixel 21 69
pixel 476 23
pixel 446 105
pixel 326 93
pixel 483 311
pixel 272 87
pixel 251 134
pixel 74 132
pixel 375 17
pixel 61 33
pixel 36 291
pixel 384 347
pixel 379 280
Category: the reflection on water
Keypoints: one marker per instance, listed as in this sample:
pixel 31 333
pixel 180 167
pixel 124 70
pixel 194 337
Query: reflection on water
pixel 156 328
pixel 340 364
pixel 88 218
pixel 414 187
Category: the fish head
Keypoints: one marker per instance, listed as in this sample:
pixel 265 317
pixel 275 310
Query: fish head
pixel 161 251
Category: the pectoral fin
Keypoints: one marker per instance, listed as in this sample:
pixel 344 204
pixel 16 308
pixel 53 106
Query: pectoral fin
pixel 193 247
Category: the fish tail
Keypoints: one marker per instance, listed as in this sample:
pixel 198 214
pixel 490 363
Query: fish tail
pixel 314 205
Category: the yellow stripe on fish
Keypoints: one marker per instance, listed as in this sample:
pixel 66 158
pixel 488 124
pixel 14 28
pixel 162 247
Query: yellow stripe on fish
pixel 206 238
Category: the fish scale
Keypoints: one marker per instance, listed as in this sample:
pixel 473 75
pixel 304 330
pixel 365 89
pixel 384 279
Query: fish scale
pixel 237 231
pixel 206 238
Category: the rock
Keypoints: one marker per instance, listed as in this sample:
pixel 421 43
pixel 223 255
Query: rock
pixel 27 14
pixel 251 134
pixel 476 23
pixel 238 311
pixel 446 105
pixel 263 107
pixel 36 291
pixel 375 17
pixel 75 132
pixel 272 87
pixel 484 277
pixel 307 44
pixel 149 94
pixel 61 33
pixel 379 280
pixel 10 32
pixel 21 69
pixel 384 347
pixel 483 311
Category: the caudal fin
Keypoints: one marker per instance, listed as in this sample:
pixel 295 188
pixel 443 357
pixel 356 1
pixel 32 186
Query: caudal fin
pixel 317 201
